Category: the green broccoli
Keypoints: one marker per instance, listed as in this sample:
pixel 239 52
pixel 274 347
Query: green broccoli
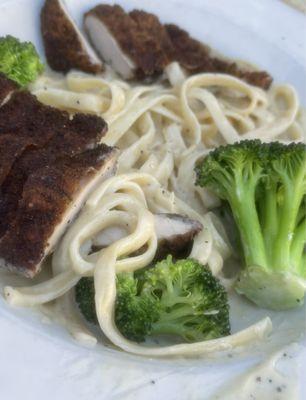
pixel 192 302
pixel 180 298
pixel 135 313
pixel 85 298
pixel 19 61
pixel 265 186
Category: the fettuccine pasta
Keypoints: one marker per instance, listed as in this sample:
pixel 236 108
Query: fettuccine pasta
pixel 162 130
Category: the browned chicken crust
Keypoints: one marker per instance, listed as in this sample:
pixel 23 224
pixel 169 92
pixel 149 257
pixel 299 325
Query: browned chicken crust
pixel 23 115
pixel 44 133
pixel 120 25
pixel 152 46
pixel 11 147
pixel 63 47
pixel 139 34
pixel 157 52
pixel 49 161
pixel 34 126
pixel 116 20
pixel 46 195
pixel 196 57
pixel 170 241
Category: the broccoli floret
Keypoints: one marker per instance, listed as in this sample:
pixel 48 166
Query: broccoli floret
pixel 192 302
pixel 180 298
pixel 19 61
pixel 85 298
pixel 134 313
pixel 265 186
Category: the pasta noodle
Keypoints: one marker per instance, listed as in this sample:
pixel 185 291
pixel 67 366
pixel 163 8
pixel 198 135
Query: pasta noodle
pixel 161 131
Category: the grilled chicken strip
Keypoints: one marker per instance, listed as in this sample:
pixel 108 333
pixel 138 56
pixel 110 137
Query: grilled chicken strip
pixel 24 115
pixel 11 147
pixel 49 163
pixel 134 44
pixel 137 45
pixel 158 52
pixel 41 134
pixel 195 57
pixel 51 197
pixel 111 31
pixel 65 46
pixel 175 234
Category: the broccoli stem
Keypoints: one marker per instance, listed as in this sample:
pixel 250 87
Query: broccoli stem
pixel 171 299
pixel 269 217
pixel 189 331
pixel 176 314
pixel 288 214
pixel 301 213
pixel 302 264
pixel 168 328
pixel 252 239
pixel 177 322
pixel 297 248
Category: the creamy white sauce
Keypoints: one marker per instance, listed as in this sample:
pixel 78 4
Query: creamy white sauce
pixel 91 367
pixel 66 314
pixel 274 379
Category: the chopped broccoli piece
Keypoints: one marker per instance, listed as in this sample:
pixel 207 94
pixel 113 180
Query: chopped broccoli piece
pixel 134 313
pixel 85 298
pixel 19 61
pixel 180 298
pixel 265 186
pixel 192 302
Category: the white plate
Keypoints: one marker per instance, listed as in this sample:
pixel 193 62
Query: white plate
pixel 39 361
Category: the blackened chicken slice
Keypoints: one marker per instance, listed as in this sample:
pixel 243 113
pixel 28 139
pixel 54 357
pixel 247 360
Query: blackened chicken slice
pixel 60 137
pixel 41 134
pixel 159 51
pixel 175 234
pixel 65 46
pixel 195 57
pixel 24 115
pixel 111 31
pixel 135 44
pixel 51 198
pixel 11 148
pixel 10 194
pixel 7 87
pixel 190 53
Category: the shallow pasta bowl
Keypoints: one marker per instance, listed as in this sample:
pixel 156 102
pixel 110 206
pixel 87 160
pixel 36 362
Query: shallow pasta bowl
pixel 42 357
